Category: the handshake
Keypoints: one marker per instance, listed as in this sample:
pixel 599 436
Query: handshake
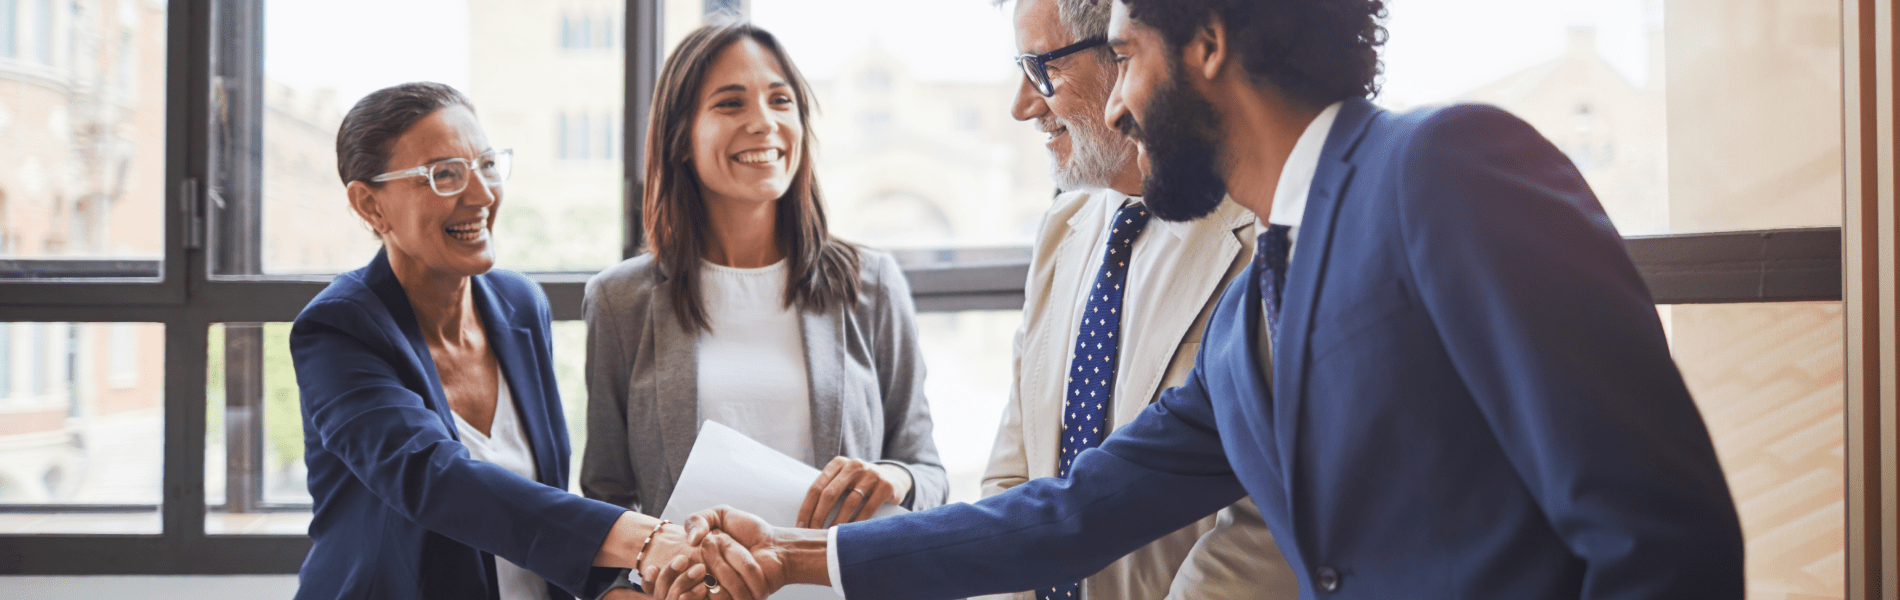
pixel 724 553
pixel 727 554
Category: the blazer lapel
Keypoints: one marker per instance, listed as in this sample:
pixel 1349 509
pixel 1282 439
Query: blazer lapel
pixel 1067 276
pixel 514 350
pixel 1304 274
pixel 823 334
pixel 675 383
pixel 382 279
pixel 1189 276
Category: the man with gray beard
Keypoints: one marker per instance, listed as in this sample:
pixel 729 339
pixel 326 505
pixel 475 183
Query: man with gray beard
pixel 1113 312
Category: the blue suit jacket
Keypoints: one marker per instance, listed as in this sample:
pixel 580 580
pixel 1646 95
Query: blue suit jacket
pixel 1472 398
pixel 401 509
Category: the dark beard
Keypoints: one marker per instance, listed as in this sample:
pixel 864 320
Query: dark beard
pixel 1178 134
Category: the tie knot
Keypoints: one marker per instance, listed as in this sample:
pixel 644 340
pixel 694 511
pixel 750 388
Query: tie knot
pixel 1273 247
pixel 1129 221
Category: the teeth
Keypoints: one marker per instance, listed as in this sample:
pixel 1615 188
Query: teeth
pixel 465 232
pixel 754 157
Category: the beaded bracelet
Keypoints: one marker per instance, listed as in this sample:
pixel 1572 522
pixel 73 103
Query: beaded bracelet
pixel 639 558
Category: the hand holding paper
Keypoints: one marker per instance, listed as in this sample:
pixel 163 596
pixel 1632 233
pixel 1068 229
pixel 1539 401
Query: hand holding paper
pixel 852 490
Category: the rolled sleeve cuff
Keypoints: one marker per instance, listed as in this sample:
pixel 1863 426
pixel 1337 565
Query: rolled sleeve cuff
pixel 831 561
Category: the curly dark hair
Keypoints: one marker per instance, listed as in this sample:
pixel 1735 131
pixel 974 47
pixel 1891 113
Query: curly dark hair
pixel 1316 51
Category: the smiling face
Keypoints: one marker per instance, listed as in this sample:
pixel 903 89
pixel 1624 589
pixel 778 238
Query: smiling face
pixel 747 132
pixel 1176 129
pixel 445 235
pixel 1083 150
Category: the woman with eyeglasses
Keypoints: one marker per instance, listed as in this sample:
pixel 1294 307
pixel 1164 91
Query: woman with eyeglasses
pixel 433 431
pixel 746 311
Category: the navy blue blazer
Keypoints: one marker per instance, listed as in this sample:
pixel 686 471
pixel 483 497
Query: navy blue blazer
pixel 401 509
pixel 1472 399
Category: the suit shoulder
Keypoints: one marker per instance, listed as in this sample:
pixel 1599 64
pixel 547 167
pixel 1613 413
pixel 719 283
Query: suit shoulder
pixel 633 275
pixel 1458 124
pixel 879 270
pixel 347 293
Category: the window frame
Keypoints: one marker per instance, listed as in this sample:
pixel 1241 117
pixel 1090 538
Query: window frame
pixel 208 42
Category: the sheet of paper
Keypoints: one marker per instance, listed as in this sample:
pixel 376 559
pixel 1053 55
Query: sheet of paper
pixel 726 467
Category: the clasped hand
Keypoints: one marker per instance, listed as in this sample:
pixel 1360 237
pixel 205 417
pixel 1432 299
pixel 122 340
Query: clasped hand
pixel 736 558
pixel 734 555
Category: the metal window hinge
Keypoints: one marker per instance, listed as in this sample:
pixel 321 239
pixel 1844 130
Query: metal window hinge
pixel 191 208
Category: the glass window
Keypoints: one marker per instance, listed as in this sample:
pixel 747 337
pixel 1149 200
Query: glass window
pixel 903 153
pixel 82 190
pixel 1768 379
pixel 557 214
pixel 1657 102
pixel 76 436
pixel 968 387
pixel 9 11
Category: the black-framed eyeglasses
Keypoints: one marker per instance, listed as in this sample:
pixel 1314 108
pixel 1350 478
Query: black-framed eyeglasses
pixel 1035 66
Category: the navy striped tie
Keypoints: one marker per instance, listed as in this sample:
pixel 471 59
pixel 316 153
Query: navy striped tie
pixel 1092 373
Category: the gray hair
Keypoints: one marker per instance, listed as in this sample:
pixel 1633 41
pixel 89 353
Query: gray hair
pixel 1083 18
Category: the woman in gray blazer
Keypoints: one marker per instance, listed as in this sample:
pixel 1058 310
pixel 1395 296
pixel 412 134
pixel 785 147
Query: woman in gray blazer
pixel 745 310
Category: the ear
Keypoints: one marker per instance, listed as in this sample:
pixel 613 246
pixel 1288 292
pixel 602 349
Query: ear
pixel 363 200
pixel 1207 51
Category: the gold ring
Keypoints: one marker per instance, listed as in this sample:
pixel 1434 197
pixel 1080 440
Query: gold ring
pixel 861 492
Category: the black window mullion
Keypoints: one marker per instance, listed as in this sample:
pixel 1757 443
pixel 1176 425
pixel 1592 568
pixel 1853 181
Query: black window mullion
pixel 235 246
pixel 642 69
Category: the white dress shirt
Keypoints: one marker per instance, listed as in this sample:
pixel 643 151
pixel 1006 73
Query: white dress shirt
pixel 1289 207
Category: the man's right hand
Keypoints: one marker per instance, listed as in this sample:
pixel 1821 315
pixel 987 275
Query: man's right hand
pixel 751 559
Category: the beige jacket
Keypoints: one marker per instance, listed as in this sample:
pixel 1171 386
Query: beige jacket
pixel 1228 556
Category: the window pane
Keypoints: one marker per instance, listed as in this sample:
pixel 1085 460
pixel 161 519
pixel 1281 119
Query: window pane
pixel 81 427
pixel 916 147
pixel 254 433
pixel 1657 102
pixel 968 386
pixel 561 209
pixel 279 500
pixel 82 138
pixel 1768 379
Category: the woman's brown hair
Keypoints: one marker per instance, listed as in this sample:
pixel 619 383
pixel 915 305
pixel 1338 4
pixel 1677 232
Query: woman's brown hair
pixel 823 271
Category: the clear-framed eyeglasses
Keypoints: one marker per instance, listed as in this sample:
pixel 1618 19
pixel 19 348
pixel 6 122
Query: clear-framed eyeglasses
pixel 450 176
pixel 1036 66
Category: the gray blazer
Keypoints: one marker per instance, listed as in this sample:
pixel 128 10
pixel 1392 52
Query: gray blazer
pixel 867 385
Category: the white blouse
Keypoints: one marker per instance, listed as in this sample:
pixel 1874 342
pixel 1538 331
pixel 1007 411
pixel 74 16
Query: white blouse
pixel 752 374
pixel 506 445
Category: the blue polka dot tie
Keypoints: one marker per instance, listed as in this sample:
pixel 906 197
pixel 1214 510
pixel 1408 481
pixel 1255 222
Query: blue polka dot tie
pixel 1271 255
pixel 1092 373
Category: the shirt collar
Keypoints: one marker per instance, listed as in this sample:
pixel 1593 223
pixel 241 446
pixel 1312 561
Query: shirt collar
pixel 1296 178
pixel 1116 201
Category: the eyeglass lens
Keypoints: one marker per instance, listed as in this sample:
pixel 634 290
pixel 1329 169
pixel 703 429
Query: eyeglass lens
pixel 451 176
pixel 1032 69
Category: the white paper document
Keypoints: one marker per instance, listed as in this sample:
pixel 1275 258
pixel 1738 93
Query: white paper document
pixel 726 467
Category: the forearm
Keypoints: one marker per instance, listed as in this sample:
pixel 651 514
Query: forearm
pixel 803 554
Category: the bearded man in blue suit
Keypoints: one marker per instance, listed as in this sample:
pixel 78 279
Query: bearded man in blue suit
pixel 1441 378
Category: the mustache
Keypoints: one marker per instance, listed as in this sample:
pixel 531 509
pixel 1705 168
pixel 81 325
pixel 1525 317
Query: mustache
pixel 1128 128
